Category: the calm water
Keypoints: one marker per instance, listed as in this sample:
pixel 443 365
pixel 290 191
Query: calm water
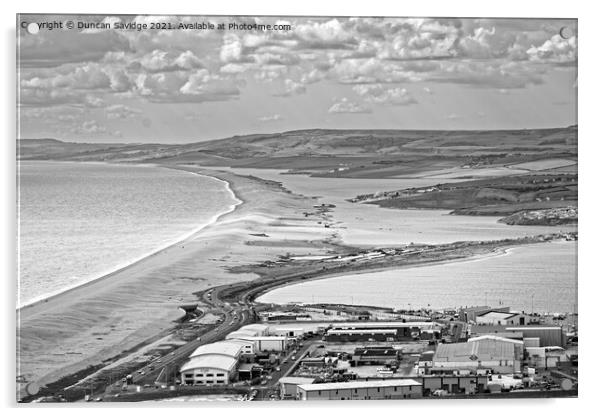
pixel 547 271
pixel 80 221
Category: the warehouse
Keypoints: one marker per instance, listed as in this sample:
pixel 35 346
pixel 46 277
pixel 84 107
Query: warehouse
pixel 209 369
pixel 479 356
pixel 496 317
pixel 225 348
pixel 375 356
pixel 383 331
pixel 455 384
pixel 288 386
pixel 289 331
pixel 256 329
pixel 276 344
pixel 361 390
pixel 359 335
pixel 549 336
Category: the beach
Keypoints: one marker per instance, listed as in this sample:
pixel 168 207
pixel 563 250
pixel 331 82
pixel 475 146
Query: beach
pixel 98 320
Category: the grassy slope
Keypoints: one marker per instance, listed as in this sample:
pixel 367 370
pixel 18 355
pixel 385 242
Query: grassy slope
pixel 492 196
pixel 335 153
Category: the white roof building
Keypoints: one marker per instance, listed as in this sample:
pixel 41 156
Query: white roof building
pixel 225 348
pixel 360 384
pixel 210 361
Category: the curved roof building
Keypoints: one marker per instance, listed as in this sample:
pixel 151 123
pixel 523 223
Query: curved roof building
pixel 225 348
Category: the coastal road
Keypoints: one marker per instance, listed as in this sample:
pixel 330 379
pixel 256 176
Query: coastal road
pixel 233 317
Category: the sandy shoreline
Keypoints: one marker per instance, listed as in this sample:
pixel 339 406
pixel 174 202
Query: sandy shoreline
pixel 101 318
pixel 70 290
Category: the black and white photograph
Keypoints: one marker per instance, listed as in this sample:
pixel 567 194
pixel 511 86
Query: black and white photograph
pixel 287 208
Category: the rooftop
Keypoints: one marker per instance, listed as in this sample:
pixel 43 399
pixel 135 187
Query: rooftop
pixel 497 314
pixel 360 384
pixel 361 331
pixel 484 350
pixel 296 380
pixel 254 327
pixel 379 324
pixel 227 348
pixel 494 337
pixel 220 362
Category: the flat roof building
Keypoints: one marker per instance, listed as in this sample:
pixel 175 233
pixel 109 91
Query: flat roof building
pixel 361 390
pixel 288 386
pixel 493 355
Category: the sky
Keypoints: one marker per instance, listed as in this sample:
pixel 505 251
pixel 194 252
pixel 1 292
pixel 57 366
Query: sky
pixel 184 85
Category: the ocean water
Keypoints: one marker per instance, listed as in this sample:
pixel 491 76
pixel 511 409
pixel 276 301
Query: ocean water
pixel 80 221
pixel 539 276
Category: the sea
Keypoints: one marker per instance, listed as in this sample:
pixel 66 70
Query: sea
pixel 80 221
pixel 536 277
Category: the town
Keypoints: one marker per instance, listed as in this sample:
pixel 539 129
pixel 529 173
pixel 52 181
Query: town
pixel 350 352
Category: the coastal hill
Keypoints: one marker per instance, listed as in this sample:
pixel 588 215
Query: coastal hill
pixel 344 153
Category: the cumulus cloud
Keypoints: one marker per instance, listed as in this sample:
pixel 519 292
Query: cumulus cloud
pixel 289 88
pixel 344 105
pixel 68 67
pixel 377 94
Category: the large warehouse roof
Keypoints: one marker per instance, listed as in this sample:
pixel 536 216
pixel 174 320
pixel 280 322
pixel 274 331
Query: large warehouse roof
pixel 241 333
pixel 220 362
pixel 227 348
pixel 485 350
pixel 378 324
pixel 360 384
pixel 259 328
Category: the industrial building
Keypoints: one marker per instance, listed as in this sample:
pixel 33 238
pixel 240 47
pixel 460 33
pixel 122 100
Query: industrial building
pixel 478 357
pixel 549 336
pixel 375 356
pixel 545 357
pixel 376 331
pixel 470 314
pixel 497 317
pixel 455 384
pixel 225 348
pixel 288 386
pixel 425 363
pixel 209 369
pixel 288 331
pixel 263 343
pixel 361 390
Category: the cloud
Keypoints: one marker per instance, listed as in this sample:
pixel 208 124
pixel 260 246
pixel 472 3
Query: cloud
pixel 377 94
pixel 273 117
pixel 346 106
pixel 289 88
pixel 556 49
pixel 68 67
pixel 162 61
pixel 120 111
pixel 91 127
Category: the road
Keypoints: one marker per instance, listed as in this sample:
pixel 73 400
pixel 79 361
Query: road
pixel 233 317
